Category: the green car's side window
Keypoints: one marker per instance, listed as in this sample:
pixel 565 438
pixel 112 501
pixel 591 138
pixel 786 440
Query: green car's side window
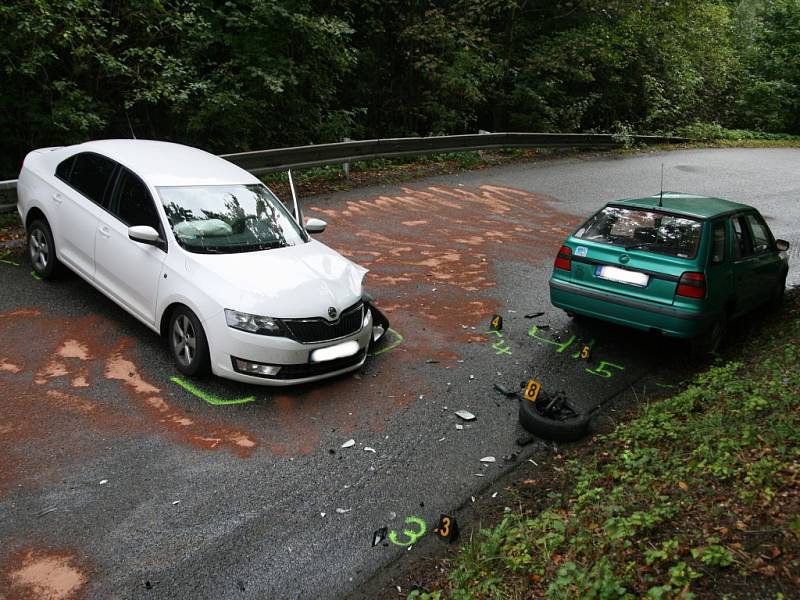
pixel 742 243
pixel 718 242
pixel 762 240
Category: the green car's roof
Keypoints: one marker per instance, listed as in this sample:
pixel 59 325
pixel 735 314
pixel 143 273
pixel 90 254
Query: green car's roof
pixel 703 207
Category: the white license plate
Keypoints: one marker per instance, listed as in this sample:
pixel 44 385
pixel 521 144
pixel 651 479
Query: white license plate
pixel 333 352
pixel 622 276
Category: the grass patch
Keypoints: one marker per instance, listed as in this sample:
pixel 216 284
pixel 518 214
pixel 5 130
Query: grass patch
pixel 697 496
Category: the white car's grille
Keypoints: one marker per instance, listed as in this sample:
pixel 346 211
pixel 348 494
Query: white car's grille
pixel 308 331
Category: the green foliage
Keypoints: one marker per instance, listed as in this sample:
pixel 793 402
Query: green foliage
pixel 246 74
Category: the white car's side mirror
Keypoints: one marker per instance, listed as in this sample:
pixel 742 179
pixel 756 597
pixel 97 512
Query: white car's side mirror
pixel 144 234
pixel 315 225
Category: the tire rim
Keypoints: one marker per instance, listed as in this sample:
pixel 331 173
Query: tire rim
pixel 184 340
pixel 40 252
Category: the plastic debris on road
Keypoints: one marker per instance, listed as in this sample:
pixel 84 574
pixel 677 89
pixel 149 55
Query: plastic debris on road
pixel 343 511
pixel 349 444
pixel 488 459
pixel 368 449
pixel 465 414
pixel 459 426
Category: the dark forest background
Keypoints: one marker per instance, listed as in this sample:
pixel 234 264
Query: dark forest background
pixel 253 74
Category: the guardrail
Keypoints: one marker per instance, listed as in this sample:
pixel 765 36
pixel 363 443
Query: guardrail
pixel 278 159
pixel 8 195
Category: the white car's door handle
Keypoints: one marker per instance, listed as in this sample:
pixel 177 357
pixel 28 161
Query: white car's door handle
pixel 57 197
pixel 104 231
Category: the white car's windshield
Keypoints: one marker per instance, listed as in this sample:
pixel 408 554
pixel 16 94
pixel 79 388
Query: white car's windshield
pixel 229 218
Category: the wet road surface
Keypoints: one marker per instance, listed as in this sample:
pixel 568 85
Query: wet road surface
pixel 119 479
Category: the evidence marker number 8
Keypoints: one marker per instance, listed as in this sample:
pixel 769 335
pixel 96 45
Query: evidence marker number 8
pixel 532 390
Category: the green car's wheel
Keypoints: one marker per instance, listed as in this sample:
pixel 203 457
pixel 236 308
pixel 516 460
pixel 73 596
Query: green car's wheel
pixel 780 291
pixel 709 342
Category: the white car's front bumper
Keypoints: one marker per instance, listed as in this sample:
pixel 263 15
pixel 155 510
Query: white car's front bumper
pixel 225 343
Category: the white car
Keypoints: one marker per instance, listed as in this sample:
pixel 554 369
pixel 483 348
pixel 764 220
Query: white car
pixel 201 252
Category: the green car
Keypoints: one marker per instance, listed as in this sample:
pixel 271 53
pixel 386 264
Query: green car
pixel 676 264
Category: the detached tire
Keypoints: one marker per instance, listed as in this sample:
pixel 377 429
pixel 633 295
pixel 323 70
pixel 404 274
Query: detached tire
pixel 569 430
pixel 42 249
pixel 187 343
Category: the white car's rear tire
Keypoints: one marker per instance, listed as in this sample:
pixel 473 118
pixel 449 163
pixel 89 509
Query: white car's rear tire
pixel 42 249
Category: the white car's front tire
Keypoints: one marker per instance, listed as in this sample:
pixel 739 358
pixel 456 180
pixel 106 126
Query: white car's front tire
pixel 187 342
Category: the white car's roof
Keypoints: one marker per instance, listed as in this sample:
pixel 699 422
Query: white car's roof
pixel 168 164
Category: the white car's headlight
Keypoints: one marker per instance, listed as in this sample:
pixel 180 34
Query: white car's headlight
pixel 253 323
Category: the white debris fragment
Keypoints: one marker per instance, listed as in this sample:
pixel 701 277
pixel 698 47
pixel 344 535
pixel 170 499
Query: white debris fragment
pixel 392 515
pixel 459 426
pixel 442 439
pixel 349 444
pixel 369 449
pixel 473 498
pixel 494 495
pixel 343 511
pixel 530 460
pixel 176 502
pixel 507 509
pixel 399 590
pixel 471 377
pixel 322 514
pixel 465 414
pixel 488 459
pixel 479 475
pixel 103 481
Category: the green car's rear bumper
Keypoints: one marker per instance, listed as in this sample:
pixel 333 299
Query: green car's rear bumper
pixel 647 316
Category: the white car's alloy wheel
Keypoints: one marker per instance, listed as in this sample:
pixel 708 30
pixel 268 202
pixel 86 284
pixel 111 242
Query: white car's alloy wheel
pixel 184 340
pixel 40 251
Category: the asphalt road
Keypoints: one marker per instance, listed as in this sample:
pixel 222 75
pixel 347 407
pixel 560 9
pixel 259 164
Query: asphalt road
pixel 116 481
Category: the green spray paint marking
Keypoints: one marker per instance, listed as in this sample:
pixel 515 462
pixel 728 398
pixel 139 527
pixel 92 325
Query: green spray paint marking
pixel 212 400
pixel 412 535
pixel 391 347
pixel 35 276
pixel 8 262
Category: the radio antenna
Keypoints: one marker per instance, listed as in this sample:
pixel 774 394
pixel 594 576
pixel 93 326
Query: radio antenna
pixel 133 135
pixel 661 193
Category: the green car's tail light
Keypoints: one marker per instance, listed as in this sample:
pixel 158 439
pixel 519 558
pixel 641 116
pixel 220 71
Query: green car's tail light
pixel 692 285
pixel 564 259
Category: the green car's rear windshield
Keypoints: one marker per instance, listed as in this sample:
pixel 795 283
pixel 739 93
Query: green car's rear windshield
pixel 642 229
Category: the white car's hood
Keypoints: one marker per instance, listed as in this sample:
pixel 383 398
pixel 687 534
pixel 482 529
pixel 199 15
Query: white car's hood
pixel 299 281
